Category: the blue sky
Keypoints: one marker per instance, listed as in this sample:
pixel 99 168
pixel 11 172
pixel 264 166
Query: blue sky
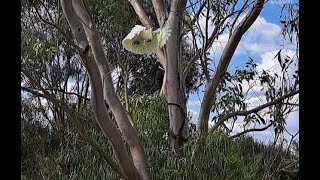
pixel 261 43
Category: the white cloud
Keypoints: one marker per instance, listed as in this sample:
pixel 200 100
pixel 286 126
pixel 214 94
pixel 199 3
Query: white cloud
pixel 255 101
pixel 280 2
pixel 263 37
pixel 262 41
pixel 271 65
pixel 270 62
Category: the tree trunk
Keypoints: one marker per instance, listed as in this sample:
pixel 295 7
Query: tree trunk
pixel 129 133
pixel 174 87
pixel 224 62
pixel 90 48
pixel 170 58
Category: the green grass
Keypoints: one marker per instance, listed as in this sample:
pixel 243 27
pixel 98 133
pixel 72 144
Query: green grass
pixel 65 155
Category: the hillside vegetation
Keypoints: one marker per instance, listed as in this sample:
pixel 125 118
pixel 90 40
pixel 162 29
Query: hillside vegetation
pixel 63 154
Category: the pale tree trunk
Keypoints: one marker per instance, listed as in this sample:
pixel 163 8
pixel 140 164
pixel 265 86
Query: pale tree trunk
pixel 174 87
pixel 87 37
pixel 128 131
pixel 170 58
pixel 213 82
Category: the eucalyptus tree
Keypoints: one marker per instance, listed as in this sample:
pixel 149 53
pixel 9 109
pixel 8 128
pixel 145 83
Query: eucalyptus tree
pixel 80 34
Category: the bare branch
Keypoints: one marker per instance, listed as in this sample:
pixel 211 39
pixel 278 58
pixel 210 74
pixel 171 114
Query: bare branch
pixel 204 44
pixel 252 130
pixel 238 15
pixel 209 43
pixel 204 36
pixel 291 104
pixel 196 15
pixel 190 24
pixel 214 35
pixel 72 93
pixel 200 54
pixel 190 5
pixel 254 110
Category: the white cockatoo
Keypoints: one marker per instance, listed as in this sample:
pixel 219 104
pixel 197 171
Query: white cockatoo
pixel 141 40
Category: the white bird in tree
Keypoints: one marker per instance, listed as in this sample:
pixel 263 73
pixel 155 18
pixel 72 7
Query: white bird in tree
pixel 141 40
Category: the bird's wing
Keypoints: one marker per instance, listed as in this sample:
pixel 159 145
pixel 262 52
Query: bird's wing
pixel 135 31
pixel 163 35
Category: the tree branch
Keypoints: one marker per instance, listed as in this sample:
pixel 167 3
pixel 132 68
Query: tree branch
pixel 226 57
pixel 208 44
pixel 238 15
pixel 138 8
pixel 71 93
pixel 251 130
pixel 196 15
pixel 291 104
pixel 60 104
pixel 160 10
pixel 57 27
pixel 254 110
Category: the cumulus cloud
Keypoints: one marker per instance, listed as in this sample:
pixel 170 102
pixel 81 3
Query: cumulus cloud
pixel 262 41
pixel 269 63
pixel 263 37
pixel 257 98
